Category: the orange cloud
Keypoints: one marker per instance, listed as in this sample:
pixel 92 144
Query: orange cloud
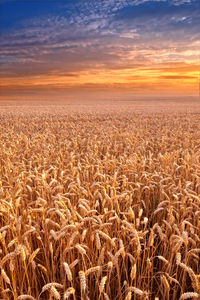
pixel 156 78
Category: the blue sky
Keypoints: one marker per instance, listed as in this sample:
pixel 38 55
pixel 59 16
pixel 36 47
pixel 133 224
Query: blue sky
pixel 80 40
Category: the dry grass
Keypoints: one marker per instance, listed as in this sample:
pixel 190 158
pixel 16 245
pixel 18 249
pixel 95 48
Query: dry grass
pixel 100 205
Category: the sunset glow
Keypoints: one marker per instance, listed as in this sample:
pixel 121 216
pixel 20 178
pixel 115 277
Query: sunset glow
pixel 137 46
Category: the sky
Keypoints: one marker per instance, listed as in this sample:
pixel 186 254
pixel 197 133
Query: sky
pixel 136 47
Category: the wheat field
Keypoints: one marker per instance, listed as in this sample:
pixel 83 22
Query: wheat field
pixel 100 201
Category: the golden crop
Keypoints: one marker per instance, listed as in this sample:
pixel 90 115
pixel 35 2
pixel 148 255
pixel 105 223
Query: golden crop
pixel 99 204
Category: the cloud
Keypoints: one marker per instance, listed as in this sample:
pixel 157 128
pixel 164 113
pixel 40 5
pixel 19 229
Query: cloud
pixel 117 39
pixel 159 16
pixel 177 77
